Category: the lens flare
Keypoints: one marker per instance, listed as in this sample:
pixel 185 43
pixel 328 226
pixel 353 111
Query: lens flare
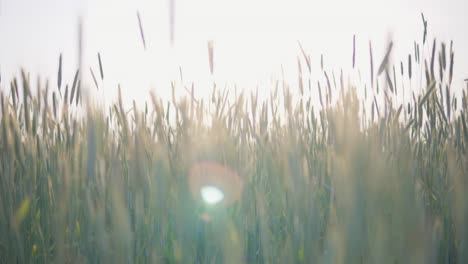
pixel 211 194
pixel 214 183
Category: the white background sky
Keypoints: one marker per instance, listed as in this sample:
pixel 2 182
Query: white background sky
pixel 253 38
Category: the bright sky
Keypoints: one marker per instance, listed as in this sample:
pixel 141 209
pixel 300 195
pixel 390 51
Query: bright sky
pixel 252 38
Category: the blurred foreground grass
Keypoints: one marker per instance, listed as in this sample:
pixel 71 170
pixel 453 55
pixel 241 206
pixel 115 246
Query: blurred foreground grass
pixel 355 181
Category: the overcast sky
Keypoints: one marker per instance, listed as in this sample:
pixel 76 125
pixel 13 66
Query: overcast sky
pixel 252 38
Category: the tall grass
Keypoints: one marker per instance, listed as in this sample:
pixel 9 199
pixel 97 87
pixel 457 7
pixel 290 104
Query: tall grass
pixel 328 183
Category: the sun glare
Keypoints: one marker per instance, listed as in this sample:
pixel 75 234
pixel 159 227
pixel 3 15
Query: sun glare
pixel 252 40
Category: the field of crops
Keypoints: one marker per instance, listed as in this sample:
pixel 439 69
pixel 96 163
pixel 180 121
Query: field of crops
pixel 360 180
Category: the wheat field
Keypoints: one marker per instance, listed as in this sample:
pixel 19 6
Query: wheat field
pixel 351 180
